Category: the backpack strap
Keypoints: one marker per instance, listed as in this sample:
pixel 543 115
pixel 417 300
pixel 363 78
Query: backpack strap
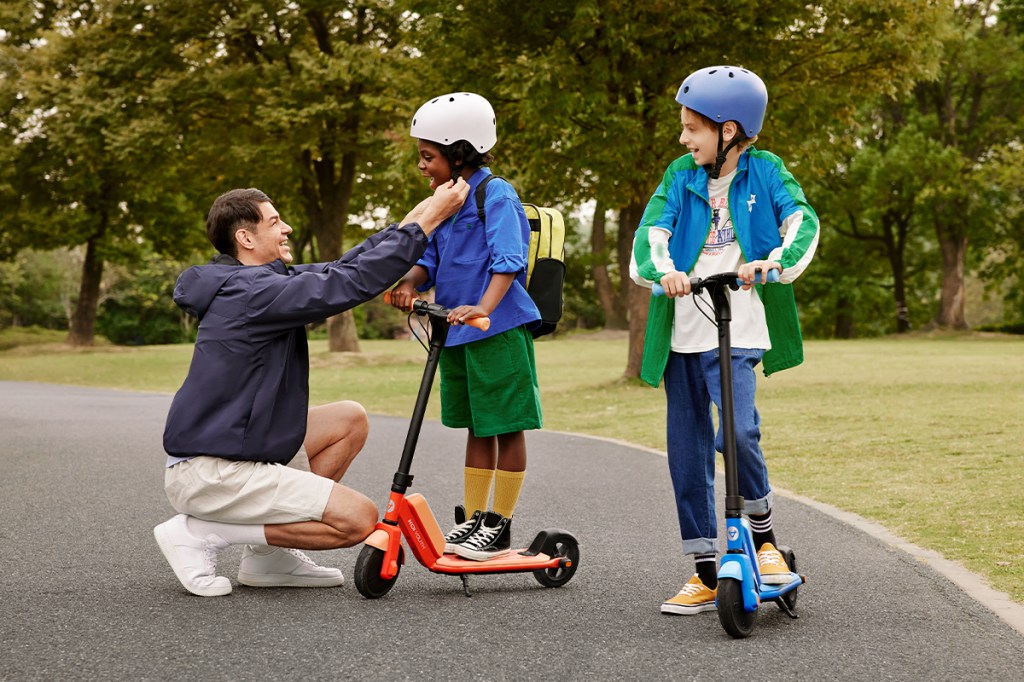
pixel 481 194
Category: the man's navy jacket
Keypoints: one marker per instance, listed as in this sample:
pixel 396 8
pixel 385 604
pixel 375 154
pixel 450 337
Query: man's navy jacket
pixel 247 391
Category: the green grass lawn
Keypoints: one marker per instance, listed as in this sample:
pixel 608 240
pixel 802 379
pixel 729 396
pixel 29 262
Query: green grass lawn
pixel 920 434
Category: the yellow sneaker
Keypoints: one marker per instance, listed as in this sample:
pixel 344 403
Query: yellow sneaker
pixel 695 597
pixel 772 566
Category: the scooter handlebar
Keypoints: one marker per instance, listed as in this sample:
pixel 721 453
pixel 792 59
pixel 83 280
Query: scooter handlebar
pixel 658 290
pixel 421 307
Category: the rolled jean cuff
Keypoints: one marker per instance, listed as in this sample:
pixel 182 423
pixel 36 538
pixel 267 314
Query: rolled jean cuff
pixel 700 546
pixel 759 506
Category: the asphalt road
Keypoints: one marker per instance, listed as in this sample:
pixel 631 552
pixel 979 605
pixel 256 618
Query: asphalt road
pixel 85 593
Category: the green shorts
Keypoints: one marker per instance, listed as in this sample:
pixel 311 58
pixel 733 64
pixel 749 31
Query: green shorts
pixel 490 386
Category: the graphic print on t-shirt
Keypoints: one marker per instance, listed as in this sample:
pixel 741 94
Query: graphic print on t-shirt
pixel 722 233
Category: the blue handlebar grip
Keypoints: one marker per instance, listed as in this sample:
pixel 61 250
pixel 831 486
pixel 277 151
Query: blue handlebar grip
pixel 773 277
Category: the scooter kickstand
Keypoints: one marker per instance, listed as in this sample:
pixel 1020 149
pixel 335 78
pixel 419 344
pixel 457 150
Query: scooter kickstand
pixel 785 608
pixel 465 584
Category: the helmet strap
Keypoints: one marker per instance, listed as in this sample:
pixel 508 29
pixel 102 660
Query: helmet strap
pixel 715 170
pixel 456 166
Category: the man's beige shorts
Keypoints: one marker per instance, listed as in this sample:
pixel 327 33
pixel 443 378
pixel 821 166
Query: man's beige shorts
pixel 228 491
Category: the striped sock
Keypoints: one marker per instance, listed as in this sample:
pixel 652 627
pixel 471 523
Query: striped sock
pixel 707 569
pixel 761 526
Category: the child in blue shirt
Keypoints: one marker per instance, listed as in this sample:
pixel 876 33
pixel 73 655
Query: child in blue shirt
pixel 724 207
pixel 488 379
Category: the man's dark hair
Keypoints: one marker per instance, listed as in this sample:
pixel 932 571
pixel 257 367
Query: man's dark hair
pixel 239 208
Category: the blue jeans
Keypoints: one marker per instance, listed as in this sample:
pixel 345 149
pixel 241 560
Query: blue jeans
pixel 691 386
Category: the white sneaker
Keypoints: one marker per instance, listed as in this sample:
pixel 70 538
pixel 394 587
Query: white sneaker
pixel 193 559
pixel 264 566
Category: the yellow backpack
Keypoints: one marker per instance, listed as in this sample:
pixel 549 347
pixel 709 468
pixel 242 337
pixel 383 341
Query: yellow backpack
pixel 545 269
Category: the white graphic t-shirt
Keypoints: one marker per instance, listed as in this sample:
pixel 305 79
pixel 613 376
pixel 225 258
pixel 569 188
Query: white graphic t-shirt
pixel 695 333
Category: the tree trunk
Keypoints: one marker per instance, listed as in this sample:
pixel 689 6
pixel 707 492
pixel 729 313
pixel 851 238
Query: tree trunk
pixel 614 316
pixel 639 300
pixel 629 219
pixel 342 334
pixel 326 200
pixel 895 227
pixel 953 245
pixel 899 293
pixel 83 320
pixel 635 298
pixel 845 319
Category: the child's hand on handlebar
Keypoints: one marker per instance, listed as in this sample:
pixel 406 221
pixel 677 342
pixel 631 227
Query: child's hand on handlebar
pixel 402 296
pixel 756 272
pixel 465 312
pixel 675 284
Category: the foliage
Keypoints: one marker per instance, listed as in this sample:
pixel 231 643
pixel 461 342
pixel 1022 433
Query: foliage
pixel 139 308
pixel 16 337
pixel 121 120
pixel 38 289
pixel 91 156
pixel 581 309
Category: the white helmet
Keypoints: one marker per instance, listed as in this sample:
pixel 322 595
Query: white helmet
pixel 456 116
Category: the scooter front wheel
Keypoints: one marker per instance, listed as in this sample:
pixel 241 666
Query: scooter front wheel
pixel 737 621
pixel 558 546
pixel 367 572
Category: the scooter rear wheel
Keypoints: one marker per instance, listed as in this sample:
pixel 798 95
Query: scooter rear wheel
pixel 559 545
pixel 738 622
pixel 367 572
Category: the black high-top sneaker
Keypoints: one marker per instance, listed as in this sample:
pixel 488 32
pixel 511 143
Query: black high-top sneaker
pixel 492 538
pixel 463 528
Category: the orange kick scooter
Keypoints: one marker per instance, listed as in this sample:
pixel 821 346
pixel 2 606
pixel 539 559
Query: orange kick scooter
pixel 552 557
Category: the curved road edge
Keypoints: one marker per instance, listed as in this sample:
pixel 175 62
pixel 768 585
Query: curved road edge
pixel 972 584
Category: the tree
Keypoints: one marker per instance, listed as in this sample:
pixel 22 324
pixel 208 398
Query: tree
pixel 297 97
pixel 590 86
pixel 876 196
pixel 89 159
pixel 974 107
pixel 924 172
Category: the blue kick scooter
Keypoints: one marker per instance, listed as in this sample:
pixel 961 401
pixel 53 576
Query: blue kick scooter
pixel 740 590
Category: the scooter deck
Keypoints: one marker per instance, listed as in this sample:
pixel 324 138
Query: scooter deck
pixel 513 562
pixel 772 591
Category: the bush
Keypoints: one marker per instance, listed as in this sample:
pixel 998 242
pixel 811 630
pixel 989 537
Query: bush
pixel 140 308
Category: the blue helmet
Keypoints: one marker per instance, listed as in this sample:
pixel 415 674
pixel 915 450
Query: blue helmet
pixel 726 93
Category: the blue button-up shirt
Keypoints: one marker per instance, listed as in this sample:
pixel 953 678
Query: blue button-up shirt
pixel 464 253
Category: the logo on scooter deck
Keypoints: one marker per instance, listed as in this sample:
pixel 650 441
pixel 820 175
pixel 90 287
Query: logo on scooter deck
pixel 734 533
pixel 417 536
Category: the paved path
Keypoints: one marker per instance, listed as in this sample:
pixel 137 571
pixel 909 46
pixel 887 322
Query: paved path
pixel 85 593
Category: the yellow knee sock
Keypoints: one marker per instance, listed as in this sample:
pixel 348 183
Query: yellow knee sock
pixel 507 485
pixel 477 490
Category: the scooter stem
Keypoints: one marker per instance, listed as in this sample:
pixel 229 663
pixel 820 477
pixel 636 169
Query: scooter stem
pixel 723 317
pixel 438 335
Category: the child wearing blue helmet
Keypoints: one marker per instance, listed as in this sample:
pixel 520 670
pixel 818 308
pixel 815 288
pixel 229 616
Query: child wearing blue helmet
pixel 725 206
